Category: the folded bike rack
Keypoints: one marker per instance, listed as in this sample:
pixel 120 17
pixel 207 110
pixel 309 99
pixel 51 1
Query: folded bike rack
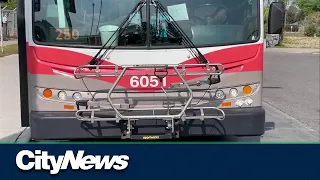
pixel 94 106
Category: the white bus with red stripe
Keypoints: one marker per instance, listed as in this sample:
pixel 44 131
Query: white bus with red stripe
pixel 99 69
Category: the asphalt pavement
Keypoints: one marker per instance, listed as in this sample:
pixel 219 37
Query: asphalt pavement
pixel 291 84
pixel 291 97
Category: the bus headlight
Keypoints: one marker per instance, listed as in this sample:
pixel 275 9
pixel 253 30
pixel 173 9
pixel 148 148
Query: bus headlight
pixel 76 96
pixel 233 92
pixel 62 95
pixel 220 94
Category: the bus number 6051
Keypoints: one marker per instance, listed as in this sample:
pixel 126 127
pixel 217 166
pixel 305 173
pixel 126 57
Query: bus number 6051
pixel 147 81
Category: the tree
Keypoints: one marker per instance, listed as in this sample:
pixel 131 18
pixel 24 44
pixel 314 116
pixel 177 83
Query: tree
pixel 292 14
pixel 11 4
pixel 265 18
pixel 308 7
pixel 300 16
pixel 310 11
pixel 286 2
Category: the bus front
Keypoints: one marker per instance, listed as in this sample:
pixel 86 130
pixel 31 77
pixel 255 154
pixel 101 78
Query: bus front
pixel 142 69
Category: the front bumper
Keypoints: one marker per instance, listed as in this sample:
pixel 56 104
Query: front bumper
pixel 64 126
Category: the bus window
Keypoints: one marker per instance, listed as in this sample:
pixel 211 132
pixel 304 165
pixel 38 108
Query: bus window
pixel 83 22
pixel 92 22
pixel 208 22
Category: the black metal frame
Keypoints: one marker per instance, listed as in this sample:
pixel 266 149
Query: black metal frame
pixel 23 70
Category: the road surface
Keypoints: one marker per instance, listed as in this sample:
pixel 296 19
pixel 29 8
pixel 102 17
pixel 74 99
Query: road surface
pixel 291 97
pixel 291 84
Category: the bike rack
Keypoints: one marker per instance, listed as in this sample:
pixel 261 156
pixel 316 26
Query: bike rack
pixel 93 106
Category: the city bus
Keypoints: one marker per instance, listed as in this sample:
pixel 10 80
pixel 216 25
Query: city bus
pixel 142 69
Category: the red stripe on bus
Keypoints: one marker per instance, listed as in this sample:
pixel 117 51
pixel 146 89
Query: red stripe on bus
pixel 43 60
pixel 249 56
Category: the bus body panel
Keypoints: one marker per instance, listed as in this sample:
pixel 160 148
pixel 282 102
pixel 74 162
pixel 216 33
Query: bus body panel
pixel 53 66
pixel 245 71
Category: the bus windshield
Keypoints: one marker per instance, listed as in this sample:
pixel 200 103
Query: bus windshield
pixel 92 22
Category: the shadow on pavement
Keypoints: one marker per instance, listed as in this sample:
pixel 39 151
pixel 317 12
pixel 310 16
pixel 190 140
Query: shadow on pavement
pixel 24 136
pixel 269 126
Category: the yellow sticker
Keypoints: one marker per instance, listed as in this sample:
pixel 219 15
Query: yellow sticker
pixel 150 137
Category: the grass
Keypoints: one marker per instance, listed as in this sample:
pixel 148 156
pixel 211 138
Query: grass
pixel 281 45
pixel 298 40
pixel 9 50
pixel 294 34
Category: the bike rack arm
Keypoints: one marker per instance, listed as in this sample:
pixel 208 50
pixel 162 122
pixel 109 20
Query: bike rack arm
pixel 95 70
pixel 153 116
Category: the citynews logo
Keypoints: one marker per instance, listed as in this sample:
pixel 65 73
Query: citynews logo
pixel 41 160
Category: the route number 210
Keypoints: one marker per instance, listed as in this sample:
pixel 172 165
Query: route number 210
pixel 147 81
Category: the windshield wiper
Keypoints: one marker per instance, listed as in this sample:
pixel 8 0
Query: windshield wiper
pixel 95 60
pixel 188 43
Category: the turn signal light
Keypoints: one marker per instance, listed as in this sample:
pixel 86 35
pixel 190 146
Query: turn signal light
pixel 47 93
pixel 247 90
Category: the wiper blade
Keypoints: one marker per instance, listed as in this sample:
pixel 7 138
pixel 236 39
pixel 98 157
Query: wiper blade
pixel 95 60
pixel 188 43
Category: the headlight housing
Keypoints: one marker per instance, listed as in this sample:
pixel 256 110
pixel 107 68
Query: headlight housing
pixel 77 96
pixel 62 95
pixel 233 92
pixel 220 94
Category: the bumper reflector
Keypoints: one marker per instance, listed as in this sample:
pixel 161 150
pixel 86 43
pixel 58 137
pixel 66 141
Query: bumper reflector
pixel 69 107
pixel 226 104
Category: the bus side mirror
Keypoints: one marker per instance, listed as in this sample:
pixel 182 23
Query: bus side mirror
pixel 276 18
pixel 37 5
pixel 72 6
